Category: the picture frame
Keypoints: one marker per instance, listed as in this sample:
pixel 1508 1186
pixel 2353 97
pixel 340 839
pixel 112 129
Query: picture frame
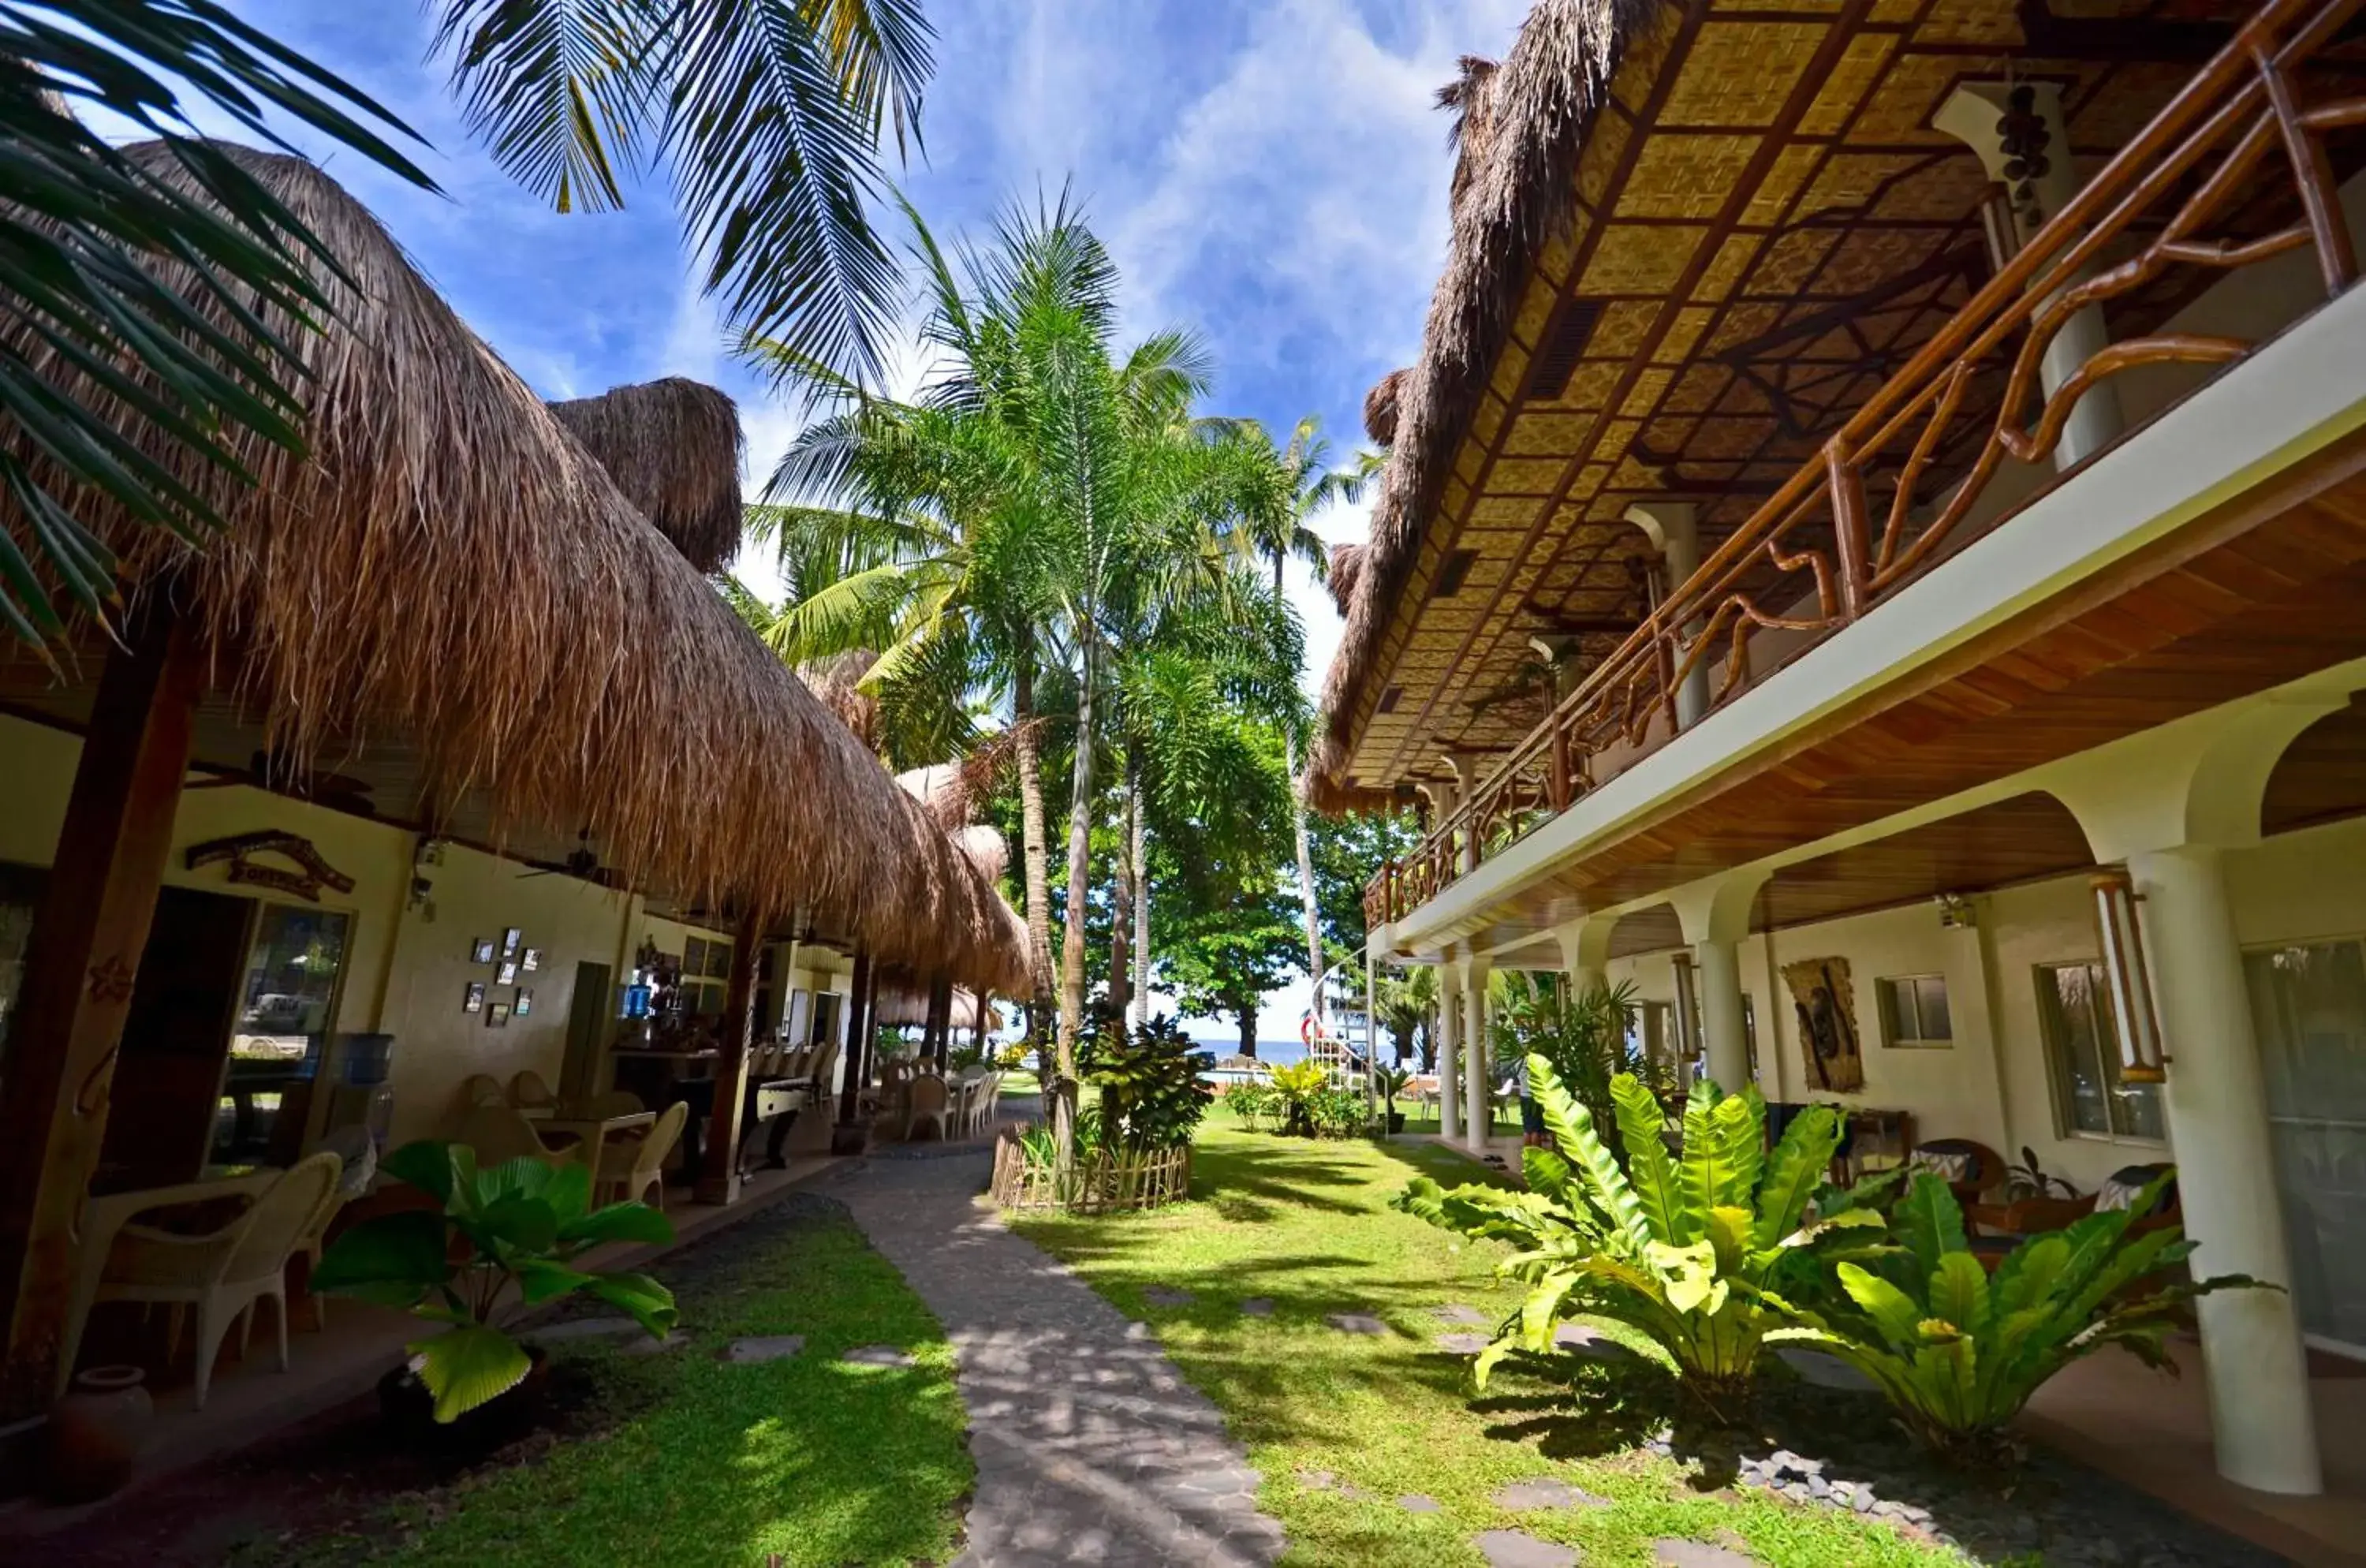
pixel 497 1015
pixel 507 974
pixel 481 950
pixel 511 940
pixel 530 960
pixel 524 1003
pixel 473 999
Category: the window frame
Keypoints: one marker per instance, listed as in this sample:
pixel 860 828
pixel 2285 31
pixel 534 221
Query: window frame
pixel 2054 1051
pixel 1894 1036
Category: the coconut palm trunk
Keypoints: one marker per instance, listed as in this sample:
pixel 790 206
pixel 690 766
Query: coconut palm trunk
pixel 1141 915
pixel 1313 912
pixel 1122 995
pixel 1035 850
pixel 1080 862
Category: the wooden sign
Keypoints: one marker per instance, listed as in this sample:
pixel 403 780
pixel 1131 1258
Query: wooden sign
pixel 311 874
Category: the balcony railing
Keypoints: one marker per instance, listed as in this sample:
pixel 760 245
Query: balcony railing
pixel 1816 549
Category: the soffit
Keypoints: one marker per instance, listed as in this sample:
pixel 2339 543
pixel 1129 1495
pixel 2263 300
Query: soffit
pixel 1767 229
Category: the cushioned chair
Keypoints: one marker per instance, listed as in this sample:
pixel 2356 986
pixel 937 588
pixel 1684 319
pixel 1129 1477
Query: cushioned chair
pixel 1969 1168
pixel 225 1272
pixel 630 1166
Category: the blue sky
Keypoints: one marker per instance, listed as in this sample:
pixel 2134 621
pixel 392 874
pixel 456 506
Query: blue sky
pixel 1270 173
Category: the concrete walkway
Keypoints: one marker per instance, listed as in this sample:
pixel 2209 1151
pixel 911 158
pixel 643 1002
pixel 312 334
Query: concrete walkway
pixel 1090 1447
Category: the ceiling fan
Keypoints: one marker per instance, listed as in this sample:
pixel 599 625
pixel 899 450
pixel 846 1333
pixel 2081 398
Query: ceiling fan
pixel 582 862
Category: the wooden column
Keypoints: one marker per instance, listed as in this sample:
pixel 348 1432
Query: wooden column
pixel 941 1016
pixel 977 1033
pixel 719 1182
pixel 858 1037
pixel 79 968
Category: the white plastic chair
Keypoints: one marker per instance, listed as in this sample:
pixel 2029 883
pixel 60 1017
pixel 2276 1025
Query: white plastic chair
pixel 500 1133
pixel 529 1092
pixel 924 1101
pixel 630 1166
pixel 357 1156
pixel 224 1274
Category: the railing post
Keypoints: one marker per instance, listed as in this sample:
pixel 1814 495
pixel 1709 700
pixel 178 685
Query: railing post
pixel 1557 767
pixel 1848 528
pixel 2312 173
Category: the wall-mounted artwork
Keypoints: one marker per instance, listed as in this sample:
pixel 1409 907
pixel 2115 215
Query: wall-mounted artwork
pixel 1827 1008
pixel 497 1016
pixel 524 1003
pixel 474 1001
pixel 507 974
pixel 531 961
pixel 482 952
pixel 512 940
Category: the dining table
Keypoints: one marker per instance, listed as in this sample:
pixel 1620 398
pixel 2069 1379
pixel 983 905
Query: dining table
pixel 592 1133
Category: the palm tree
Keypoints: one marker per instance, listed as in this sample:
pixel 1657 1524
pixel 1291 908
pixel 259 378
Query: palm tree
pixel 768 115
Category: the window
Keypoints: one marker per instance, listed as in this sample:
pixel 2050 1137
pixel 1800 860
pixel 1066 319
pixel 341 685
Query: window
pixel 2075 1004
pixel 1914 1012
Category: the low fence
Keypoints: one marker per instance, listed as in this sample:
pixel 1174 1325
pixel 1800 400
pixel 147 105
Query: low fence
pixel 1105 1182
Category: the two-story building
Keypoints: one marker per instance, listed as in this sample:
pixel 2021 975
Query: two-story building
pixel 1874 552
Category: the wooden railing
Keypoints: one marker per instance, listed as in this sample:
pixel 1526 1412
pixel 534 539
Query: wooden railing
pixel 2236 123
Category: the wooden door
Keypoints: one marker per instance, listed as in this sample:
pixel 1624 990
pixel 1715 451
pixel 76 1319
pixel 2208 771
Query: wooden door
pixel 160 1120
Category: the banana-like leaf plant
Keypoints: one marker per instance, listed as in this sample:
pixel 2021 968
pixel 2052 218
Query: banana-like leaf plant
pixel 523 1223
pixel 1686 1248
pixel 1959 1352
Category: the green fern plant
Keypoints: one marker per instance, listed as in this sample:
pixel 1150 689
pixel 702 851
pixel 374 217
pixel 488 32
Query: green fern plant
pixel 1686 1248
pixel 1296 1085
pixel 1959 1352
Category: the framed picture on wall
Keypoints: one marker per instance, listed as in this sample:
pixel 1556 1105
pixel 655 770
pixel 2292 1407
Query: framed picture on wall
pixel 482 952
pixel 524 1003
pixel 530 960
pixel 474 1001
pixel 511 939
pixel 694 955
pixel 507 974
pixel 497 1016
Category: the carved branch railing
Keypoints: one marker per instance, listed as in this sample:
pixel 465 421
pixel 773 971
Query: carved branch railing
pixel 2238 122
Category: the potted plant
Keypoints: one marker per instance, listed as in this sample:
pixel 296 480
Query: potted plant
pixel 1390 1082
pixel 523 1223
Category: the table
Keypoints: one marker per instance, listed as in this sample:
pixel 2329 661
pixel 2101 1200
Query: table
pixel 102 1217
pixel 595 1131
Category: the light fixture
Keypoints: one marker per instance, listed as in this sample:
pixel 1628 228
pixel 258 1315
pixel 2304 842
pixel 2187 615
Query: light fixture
pixel 2120 940
pixel 1955 912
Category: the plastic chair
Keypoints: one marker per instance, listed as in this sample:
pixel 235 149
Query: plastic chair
pixel 924 1101
pixel 613 1102
pixel 632 1166
pixel 500 1133
pixel 481 1089
pixel 226 1272
pixel 528 1092
pixel 357 1157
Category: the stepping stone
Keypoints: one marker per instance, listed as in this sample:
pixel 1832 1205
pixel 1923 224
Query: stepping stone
pixel 1257 1306
pixel 1518 1549
pixel 1462 1344
pixel 1825 1371
pixel 1356 1322
pixel 1468 1316
pixel 583 1328
pixel 1580 1340
pixel 644 1346
pixel 1318 1480
pixel 1546 1493
pixel 763 1348
pixel 1698 1554
pixel 1167 1296
pixel 1415 1502
pixel 878 1356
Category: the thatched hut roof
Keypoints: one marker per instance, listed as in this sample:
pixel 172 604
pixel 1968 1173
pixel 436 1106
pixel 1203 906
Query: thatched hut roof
pixel 673 448
pixel 836 680
pixel 1346 571
pixel 1520 128
pixel 906 1008
pixel 1380 407
pixel 447 591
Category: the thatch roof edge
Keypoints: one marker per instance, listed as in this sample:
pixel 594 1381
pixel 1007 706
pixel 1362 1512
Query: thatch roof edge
pixel 673 446
pixel 1525 122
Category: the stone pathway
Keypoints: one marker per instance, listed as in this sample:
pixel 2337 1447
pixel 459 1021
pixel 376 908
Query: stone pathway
pixel 1090 1447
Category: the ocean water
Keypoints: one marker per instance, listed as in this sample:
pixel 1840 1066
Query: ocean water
pixel 1272 1053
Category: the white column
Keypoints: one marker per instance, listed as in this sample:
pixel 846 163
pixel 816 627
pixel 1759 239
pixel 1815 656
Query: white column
pixel 2217 1101
pixel 1585 952
pixel 1476 1059
pixel 1718 964
pixel 1449 1035
pixel 1970 115
pixel 1674 526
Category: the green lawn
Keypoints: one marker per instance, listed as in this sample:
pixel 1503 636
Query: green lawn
pixel 1307 1226
pixel 820 1461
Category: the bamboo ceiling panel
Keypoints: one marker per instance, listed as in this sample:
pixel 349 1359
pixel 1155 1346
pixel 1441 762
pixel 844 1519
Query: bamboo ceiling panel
pixel 1766 227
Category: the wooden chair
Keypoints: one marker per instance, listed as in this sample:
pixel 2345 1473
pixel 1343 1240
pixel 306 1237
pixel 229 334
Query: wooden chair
pixel 630 1166
pixel 226 1272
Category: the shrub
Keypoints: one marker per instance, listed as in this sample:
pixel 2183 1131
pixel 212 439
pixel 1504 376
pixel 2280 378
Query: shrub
pixel 1338 1113
pixel 1688 1250
pixel 1250 1099
pixel 1295 1085
pixel 1959 1353
pixel 1151 1094
pixel 524 1223
pixel 1586 1037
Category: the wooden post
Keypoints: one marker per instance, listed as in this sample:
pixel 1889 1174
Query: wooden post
pixel 719 1182
pixel 79 968
pixel 940 1019
pixel 858 1037
pixel 977 1030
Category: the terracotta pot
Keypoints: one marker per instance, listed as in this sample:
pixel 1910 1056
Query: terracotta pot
pixel 96 1432
pixel 409 1411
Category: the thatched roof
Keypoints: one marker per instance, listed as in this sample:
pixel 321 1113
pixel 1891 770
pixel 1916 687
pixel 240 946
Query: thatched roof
pixel 448 589
pixel 1380 407
pixel 904 1008
pixel 1347 572
pixel 836 679
pixel 1520 128
pixel 673 448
